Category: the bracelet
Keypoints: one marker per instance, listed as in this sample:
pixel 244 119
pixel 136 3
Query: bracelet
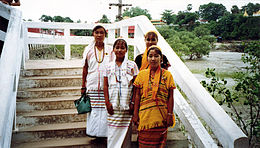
pixel 170 114
pixel 132 103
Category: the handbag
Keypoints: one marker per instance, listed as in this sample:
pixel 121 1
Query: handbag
pixel 83 104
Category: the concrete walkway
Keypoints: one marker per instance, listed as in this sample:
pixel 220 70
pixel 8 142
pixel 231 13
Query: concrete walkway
pixel 57 63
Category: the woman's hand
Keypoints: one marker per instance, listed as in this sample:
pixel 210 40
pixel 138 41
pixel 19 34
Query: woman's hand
pixel 83 90
pixel 169 120
pixel 110 109
pixel 136 120
pixel 131 108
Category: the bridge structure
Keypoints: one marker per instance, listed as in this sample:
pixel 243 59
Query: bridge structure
pixel 195 107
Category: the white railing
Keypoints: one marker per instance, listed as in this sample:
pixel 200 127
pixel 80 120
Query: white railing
pixel 10 63
pixel 208 109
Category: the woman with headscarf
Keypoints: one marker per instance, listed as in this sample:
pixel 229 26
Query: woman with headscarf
pixel 150 38
pixel 153 110
pixel 95 56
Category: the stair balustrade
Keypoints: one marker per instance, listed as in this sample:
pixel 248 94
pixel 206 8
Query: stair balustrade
pixel 11 38
pixel 206 108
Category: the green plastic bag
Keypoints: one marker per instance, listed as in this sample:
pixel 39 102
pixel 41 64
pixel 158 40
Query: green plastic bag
pixel 83 104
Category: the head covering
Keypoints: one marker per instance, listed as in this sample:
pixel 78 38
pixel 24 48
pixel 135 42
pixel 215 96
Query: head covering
pixel 144 58
pixel 156 80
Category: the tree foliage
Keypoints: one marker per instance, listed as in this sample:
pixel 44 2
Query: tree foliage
pixel 236 27
pixel 168 17
pixel 246 92
pixel 104 19
pixel 235 9
pixel 186 43
pixel 187 19
pixel 250 8
pixel 136 11
pixel 47 18
pixel 212 11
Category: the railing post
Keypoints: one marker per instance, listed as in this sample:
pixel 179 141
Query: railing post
pixel 67 44
pixel 138 36
pixel 111 36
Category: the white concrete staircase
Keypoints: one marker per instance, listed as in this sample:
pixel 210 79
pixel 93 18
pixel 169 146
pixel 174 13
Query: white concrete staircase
pixel 46 116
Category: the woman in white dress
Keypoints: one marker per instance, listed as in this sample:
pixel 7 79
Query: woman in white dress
pixel 95 55
pixel 119 76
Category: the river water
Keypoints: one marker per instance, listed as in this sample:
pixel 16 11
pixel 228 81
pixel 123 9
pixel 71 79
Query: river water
pixel 222 61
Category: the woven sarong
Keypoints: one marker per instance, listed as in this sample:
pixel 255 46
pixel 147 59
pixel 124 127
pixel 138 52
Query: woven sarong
pixel 152 138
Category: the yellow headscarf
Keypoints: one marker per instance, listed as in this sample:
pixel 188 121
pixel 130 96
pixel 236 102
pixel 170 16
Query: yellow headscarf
pixel 144 58
pixel 157 76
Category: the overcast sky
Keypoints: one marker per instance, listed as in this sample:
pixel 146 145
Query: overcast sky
pixel 92 10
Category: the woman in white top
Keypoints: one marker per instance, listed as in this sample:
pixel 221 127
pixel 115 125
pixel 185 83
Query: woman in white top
pixel 95 55
pixel 119 76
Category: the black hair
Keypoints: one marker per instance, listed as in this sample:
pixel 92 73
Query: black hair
pixel 151 34
pixel 118 40
pixel 157 50
pixel 97 27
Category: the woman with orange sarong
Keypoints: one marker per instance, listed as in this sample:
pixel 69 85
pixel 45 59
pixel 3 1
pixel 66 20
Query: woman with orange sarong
pixel 153 111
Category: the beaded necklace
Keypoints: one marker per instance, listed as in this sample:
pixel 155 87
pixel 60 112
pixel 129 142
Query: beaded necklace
pixel 99 61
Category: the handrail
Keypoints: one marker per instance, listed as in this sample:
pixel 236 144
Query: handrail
pixel 10 63
pixel 224 128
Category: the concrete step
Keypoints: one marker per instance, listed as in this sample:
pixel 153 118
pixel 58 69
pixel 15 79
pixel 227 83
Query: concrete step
pixel 174 140
pixel 49 131
pixel 49 81
pixel 48 92
pixel 49 117
pixel 54 143
pixel 52 71
pixel 53 103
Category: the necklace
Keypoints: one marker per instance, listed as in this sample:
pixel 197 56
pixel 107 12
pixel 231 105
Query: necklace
pixel 99 61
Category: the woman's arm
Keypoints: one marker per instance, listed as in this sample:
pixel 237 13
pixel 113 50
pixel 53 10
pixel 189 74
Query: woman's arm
pixel 136 106
pixel 170 104
pixel 84 76
pixel 132 100
pixel 106 95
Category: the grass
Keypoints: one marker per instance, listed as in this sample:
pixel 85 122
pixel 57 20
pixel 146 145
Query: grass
pixel 218 74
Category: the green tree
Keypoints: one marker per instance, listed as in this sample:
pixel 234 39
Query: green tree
pixel 189 44
pixel 104 19
pixel 189 7
pixel 212 11
pixel 46 18
pixel 251 8
pixel 168 17
pixel 235 10
pixel 246 92
pixel 136 11
pixel 67 19
pixel 166 31
pixel 186 19
pixel 58 19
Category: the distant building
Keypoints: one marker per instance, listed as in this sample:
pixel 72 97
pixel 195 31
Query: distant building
pixel 256 13
pixel 245 14
pixel 202 21
pixel 158 22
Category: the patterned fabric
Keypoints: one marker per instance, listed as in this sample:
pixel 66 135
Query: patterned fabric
pixel 95 70
pixel 149 114
pixel 97 99
pixel 120 83
pixel 97 119
pixel 120 89
pixel 152 138
pixel 119 129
